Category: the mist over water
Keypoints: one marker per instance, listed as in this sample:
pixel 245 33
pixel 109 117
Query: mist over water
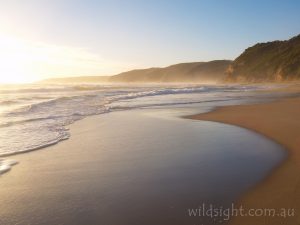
pixel 35 116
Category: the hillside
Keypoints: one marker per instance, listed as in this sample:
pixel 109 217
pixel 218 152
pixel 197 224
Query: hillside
pixel 212 71
pixel 271 61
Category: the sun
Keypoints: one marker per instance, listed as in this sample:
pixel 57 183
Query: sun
pixel 15 61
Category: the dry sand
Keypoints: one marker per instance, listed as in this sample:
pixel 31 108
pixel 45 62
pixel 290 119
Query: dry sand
pixel 279 121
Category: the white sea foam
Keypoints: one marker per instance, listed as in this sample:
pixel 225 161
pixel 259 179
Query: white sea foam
pixel 5 165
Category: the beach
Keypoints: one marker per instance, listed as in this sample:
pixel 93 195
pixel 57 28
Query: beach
pixel 111 171
pixel 280 122
pixel 152 165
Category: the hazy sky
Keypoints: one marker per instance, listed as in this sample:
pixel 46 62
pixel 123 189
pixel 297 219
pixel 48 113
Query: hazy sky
pixel 72 37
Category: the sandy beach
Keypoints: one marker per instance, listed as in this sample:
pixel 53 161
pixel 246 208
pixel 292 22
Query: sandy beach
pixel 153 166
pixel 113 172
pixel 279 121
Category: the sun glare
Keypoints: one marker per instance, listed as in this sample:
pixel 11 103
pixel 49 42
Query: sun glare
pixel 15 60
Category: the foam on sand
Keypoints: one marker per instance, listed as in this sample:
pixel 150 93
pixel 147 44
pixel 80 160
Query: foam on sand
pixel 5 165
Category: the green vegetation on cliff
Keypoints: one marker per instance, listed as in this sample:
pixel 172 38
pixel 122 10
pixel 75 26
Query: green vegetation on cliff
pixel 271 61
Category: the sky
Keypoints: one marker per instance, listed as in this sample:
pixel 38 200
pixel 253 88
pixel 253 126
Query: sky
pixel 42 38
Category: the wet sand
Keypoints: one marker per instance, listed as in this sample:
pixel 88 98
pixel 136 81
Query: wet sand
pixel 135 167
pixel 279 121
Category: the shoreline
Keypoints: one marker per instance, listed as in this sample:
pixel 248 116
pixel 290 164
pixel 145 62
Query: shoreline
pixel 278 121
pixel 87 178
